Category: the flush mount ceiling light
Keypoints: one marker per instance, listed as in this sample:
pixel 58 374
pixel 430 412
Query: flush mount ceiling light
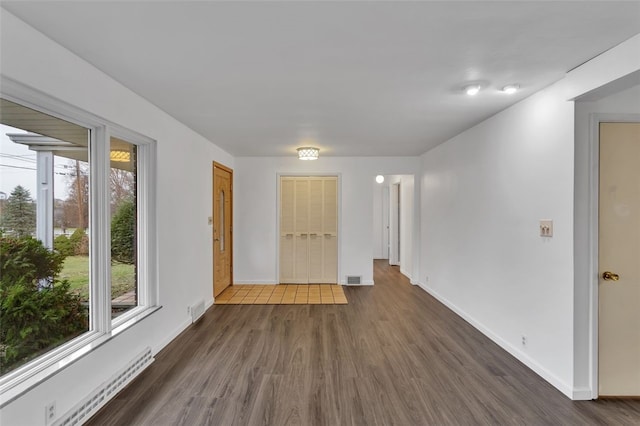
pixel 120 156
pixel 510 89
pixel 472 90
pixel 308 153
pixel 379 178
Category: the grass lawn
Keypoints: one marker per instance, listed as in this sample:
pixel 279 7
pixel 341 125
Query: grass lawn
pixel 76 271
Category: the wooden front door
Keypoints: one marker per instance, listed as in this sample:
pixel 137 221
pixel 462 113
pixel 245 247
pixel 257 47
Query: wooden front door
pixel 222 228
pixel 619 260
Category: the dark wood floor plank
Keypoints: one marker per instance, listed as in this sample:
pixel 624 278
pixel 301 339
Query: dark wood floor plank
pixel 393 356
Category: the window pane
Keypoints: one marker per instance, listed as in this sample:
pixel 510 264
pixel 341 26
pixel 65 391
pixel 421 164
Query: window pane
pixel 221 237
pixel 124 229
pixel 44 224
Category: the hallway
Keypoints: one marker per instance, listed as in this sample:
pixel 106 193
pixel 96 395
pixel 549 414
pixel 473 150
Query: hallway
pixel 393 355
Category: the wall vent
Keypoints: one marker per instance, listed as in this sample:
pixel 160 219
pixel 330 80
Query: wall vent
pixel 91 404
pixel 197 311
pixel 354 279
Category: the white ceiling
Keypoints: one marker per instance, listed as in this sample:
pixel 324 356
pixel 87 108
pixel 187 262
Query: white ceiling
pixel 355 78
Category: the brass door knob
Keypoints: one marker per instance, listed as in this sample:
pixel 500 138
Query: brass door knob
pixel 610 276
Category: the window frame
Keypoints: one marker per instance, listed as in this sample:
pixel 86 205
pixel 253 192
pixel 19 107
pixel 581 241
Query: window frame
pixel 101 327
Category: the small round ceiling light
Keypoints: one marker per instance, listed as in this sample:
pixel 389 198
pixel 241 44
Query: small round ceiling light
pixel 379 178
pixel 308 153
pixel 510 89
pixel 472 90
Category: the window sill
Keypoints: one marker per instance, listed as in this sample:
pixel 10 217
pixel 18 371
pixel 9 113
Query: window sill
pixel 27 377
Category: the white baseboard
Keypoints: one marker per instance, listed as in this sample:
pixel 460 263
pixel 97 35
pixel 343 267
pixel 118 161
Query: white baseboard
pixel 364 283
pixel 169 337
pixel 518 354
pixel 582 394
pixel 254 282
pixel 405 273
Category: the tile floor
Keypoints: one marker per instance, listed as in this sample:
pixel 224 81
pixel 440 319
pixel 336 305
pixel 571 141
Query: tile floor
pixel 283 294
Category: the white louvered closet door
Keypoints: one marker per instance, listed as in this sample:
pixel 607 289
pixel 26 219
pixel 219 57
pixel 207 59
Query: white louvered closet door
pixel 308 239
pixel 301 265
pixel 316 210
pixel 287 230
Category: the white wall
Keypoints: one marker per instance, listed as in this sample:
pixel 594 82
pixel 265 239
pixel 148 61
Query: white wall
pixel 255 211
pixel 616 106
pixel 183 203
pixel 407 235
pixel 483 193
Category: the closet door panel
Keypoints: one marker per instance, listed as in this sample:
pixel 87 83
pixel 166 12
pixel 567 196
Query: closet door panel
pixel 301 268
pixel 316 262
pixel 287 230
pixel 330 262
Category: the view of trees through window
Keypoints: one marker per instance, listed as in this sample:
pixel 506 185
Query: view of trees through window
pixel 122 176
pixel 45 232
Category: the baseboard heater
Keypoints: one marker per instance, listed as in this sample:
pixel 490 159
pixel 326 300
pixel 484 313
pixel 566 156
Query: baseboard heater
pixel 90 405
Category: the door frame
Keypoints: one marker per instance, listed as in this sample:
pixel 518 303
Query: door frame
pixel 339 206
pixel 213 206
pixel 594 268
pixel 394 223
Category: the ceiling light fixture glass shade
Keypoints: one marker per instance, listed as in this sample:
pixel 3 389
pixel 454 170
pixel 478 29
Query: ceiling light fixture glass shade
pixel 120 156
pixel 308 153
pixel 510 89
pixel 472 90
pixel 379 178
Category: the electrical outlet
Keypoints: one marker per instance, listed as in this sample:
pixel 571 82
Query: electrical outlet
pixel 546 228
pixel 49 413
pixel 524 340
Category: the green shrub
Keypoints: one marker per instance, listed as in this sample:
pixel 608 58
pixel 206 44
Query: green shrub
pixel 38 311
pixel 123 227
pixel 63 245
pixel 79 241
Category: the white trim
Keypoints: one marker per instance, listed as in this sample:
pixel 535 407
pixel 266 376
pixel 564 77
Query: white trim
pixel 594 187
pixel 100 234
pixel 581 394
pixel 44 206
pixel 563 387
pixel 257 282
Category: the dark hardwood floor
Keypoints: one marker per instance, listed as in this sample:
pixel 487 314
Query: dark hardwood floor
pixel 393 355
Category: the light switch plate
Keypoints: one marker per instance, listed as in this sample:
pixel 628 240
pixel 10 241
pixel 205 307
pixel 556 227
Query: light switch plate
pixel 546 228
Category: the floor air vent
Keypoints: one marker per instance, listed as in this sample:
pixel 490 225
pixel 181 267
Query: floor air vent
pixel 91 404
pixel 354 280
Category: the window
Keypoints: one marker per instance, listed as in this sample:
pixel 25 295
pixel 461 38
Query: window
pixel 44 220
pixel 124 212
pixel 76 213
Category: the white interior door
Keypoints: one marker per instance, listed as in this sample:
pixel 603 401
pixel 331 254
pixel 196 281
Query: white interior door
pixel 301 253
pixel 287 230
pixel 394 224
pixel 619 260
pixel 385 223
